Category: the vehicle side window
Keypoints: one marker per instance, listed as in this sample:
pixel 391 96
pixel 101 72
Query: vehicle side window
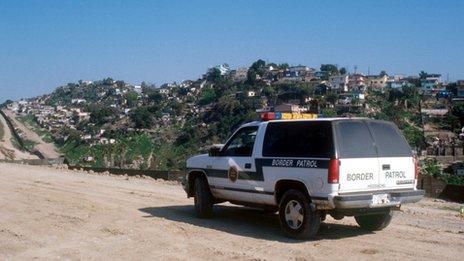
pixel 298 139
pixel 242 142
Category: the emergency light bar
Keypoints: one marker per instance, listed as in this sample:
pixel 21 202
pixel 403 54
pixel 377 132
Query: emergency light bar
pixel 267 116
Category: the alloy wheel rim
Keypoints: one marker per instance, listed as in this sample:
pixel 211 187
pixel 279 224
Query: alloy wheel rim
pixel 294 214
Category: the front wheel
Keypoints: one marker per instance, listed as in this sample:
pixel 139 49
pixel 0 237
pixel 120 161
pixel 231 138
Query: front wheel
pixel 374 222
pixel 299 218
pixel 203 199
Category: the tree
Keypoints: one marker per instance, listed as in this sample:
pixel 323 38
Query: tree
pixel 155 97
pixel 188 134
pixel 458 111
pixel 343 71
pixel 108 81
pixel 208 96
pixel 100 114
pixel 383 73
pixel 142 117
pixel 452 88
pixel 6 103
pixel 329 69
pixel 256 70
pixel 213 75
pixel 131 99
pixel 423 75
pixel 284 66
pixel 331 98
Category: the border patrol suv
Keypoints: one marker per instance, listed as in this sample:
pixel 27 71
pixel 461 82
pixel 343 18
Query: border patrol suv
pixel 306 169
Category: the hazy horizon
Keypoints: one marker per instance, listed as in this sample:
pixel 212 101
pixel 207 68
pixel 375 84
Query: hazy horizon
pixel 45 44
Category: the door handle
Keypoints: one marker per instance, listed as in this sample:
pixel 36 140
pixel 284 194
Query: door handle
pixel 247 165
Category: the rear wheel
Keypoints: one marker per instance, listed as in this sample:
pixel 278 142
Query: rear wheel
pixel 299 218
pixel 203 199
pixel 374 222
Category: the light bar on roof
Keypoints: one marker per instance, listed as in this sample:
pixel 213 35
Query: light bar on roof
pixel 268 116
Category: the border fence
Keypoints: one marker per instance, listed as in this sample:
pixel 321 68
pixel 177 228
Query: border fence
pixel 156 174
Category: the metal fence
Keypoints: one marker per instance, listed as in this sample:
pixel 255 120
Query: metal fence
pixel 156 174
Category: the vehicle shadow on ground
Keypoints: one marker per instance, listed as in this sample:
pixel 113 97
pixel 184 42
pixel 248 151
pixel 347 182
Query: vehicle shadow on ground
pixel 248 222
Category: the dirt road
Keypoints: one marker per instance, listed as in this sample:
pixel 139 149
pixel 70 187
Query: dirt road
pixel 7 150
pixel 48 150
pixel 58 214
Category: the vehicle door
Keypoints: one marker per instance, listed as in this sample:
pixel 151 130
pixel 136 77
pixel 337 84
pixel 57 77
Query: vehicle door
pixel 295 150
pixel 233 170
pixel 359 164
pixel 396 164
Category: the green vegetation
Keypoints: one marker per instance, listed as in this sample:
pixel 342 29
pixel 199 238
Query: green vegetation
pixel 430 167
pixel 159 130
pixel 452 179
pixel 6 103
pixel 401 107
pixel 29 120
pixel 123 152
pixel 29 144
pixel 130 151
pixel 329 70
pixel 16 144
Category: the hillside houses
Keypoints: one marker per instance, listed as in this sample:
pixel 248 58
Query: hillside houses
pixel 356 82
pixel 108 104
pixel 239 74
pixel 339 83
pixel 376 81
pixel 430 82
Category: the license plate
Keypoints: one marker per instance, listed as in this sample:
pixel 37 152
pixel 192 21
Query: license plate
pixel 380 199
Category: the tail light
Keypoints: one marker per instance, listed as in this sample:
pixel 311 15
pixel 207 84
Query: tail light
pixel 416 167
pixel 334 171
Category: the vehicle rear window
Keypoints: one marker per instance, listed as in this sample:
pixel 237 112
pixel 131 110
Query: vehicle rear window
pixel 389 141
pixel 354 140
pixel 299 139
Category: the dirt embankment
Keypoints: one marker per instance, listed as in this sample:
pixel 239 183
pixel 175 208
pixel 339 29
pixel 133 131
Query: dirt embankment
pixel 48 150
pixel 47 213
pixel 7 150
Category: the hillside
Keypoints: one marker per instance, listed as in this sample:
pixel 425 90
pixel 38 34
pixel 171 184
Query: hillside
pixel 110 123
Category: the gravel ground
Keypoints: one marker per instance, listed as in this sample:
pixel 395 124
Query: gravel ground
pixel 49 213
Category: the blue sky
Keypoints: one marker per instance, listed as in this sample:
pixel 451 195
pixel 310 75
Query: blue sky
pixel 44 44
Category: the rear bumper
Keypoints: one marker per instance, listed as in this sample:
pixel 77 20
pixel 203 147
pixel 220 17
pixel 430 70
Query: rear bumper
pixel 365 200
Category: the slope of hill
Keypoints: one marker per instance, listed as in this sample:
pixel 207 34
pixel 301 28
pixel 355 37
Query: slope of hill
pixel 111 123
pixel 7 149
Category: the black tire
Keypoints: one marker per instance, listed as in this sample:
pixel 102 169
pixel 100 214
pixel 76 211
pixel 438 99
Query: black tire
pixel 311 220
pixel 374 222
pixel 337 216
pixel 203 199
